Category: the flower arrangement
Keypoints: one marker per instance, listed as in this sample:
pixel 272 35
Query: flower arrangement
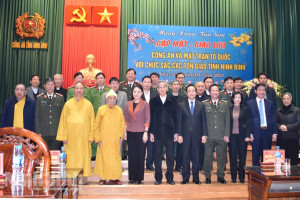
pixel 89 83
pixel 279 89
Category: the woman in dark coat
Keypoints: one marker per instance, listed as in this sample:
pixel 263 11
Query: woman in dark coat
pixel 288 123
pixel 239 136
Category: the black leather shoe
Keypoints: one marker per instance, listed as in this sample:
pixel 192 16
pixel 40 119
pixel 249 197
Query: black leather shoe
pixel 150 168
pixel 124 158
pixel 221 180
pixel 171 182
pixel 242 180
pixel 131 182
pixel 233 181
pixel 207 181
pixel 138 182
pixel 157 182
pixel 196 181
pixel 184 181
pixel 178 170
pixel 93 158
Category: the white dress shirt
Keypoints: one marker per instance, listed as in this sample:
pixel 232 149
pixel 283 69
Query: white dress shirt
pixel 264 111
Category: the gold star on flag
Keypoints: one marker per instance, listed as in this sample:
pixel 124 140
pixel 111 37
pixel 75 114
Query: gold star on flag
pixel 105 16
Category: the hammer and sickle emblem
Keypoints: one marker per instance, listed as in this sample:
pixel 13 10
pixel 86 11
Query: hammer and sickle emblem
pixel 81 17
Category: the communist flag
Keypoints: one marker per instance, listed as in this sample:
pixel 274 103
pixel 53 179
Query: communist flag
pixel 105 15
pixel 78 15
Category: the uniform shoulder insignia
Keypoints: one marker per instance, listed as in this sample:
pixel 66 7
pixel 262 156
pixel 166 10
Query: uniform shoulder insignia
pixel 93 87
pixel 59 94
pixel 70 87
pixel 223 100
pixel 122 82
pixel 40 94
pixel 207 100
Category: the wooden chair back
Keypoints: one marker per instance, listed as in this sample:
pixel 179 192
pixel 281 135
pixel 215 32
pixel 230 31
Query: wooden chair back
pixel 33 147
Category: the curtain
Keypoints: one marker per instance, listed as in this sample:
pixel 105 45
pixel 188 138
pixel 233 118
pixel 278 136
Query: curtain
pixel 17 65
pixel 275 25
pixel 102 42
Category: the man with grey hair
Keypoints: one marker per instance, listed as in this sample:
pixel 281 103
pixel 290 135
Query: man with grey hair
pixel 162 131
pixel 19 110
pixel 58 81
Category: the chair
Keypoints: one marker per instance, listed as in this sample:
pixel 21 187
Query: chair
pixel 33 147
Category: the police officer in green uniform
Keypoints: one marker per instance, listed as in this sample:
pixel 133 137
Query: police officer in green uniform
pixel 95 98
pixel 97 91
pixel 180 78
pixel 127 87
pixel 78 78
pixel 218 124
pixel 48 109
pixel 154 81
pixel 226 94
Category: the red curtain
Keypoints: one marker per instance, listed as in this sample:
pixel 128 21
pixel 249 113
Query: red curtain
pixel 79 41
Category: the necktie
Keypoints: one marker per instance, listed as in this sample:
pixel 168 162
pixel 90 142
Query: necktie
pixel 130 85
pixel 50 97
pixel 261 113
pixel 192 108
pixel 229 93
pixel 100 89
pixel 215 103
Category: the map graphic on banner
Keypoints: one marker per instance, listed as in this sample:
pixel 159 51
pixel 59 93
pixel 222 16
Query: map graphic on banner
pixel 198 52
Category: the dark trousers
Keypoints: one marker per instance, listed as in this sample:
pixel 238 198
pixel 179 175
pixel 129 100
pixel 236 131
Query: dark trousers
pixel 221 150
pixel 291 147
pixel 201 156
pixel 237 146
pixel 158 146
pixel 191 149
pixel 149 161
pixel 179 156
pixel 52 143
pixel 262 140
pixel 136 155
pixel 124 148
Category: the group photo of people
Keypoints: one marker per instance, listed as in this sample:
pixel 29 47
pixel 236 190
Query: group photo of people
pixel 187 126
pixel 150 99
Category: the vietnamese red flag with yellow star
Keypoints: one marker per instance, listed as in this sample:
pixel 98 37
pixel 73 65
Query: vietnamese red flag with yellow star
pixel 100 39
pixel 105 15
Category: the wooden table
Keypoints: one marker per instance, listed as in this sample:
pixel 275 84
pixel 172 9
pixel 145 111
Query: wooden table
pixel 264 185
pixel 33 188
pixel 71 177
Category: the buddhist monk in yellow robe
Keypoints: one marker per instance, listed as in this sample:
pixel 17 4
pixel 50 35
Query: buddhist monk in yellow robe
pixel 76 131
pixel 90 72
pixel 108 134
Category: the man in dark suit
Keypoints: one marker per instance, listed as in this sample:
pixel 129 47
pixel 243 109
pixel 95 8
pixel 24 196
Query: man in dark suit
pixel 162 131
pixel 262 123
pixel 201 93
pixel 238 84
pixel 177 98
pixel 19 110
pixel 270 92
pixel 192 130
pixel 201 96
pixel 33 91
pixel 148 94
pixel 58 80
